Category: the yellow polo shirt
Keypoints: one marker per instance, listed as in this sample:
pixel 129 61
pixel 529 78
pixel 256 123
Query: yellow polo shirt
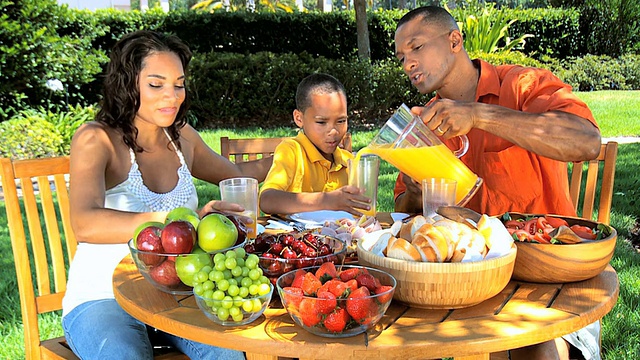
pixel 299 167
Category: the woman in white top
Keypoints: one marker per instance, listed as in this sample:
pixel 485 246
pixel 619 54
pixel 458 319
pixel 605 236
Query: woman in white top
pixel 134 164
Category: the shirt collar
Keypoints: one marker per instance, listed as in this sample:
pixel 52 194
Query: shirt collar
pixel 340 157
pixel 489 81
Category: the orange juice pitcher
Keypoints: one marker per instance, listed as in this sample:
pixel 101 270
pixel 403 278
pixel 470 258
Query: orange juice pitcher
pixel 408 144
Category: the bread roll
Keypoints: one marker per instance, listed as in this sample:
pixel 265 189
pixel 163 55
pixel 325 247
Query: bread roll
pixel 473 240
pixel 432 243
pixel 452 240
pixel 395 228
pixel 403 250
pixel 408 230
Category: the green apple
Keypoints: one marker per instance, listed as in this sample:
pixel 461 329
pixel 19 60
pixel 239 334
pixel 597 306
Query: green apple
pixel 142 226
pixel 190 264
pixel 216 232
pixel 183 213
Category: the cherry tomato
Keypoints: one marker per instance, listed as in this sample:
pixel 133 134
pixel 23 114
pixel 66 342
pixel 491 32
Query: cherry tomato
pixel 556 222
pixel 583 232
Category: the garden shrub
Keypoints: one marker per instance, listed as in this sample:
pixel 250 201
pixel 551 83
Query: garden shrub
pixel 28 138
pixel 32 52
pixel 236 90
pixel 592 72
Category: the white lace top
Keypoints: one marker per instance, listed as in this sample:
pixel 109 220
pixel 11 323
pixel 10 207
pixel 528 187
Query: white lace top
pixel 92 268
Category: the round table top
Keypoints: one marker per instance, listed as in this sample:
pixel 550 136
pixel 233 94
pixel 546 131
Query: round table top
pixel 522 314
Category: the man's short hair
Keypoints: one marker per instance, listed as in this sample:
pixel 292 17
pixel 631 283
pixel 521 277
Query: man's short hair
pixel 316 84
pixel 431 15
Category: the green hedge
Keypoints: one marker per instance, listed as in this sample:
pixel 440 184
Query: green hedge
pixel 232 90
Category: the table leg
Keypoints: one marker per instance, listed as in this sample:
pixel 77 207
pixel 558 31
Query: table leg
pixel 473 357
pixel 260 357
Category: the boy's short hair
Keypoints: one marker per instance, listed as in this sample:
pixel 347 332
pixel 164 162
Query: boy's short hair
pixel 316 84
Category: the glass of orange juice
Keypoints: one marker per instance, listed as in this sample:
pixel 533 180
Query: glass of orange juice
pixel 243 191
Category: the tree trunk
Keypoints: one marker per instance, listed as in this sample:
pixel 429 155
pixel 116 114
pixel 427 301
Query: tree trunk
pixel 364 49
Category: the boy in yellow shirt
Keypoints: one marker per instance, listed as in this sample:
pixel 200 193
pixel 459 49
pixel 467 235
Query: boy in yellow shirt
pixel 310 172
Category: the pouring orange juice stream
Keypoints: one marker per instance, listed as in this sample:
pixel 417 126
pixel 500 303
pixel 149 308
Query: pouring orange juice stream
pixel 426 162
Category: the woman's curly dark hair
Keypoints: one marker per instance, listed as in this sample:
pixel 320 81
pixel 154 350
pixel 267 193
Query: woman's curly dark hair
pixel 121 94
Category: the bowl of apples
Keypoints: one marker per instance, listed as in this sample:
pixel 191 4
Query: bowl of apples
pixel 281 253
pixel 169 254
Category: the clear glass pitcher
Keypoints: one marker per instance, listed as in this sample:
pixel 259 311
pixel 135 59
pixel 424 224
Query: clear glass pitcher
pixel 408 144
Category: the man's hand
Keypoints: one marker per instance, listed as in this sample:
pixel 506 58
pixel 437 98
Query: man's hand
pixel 447 118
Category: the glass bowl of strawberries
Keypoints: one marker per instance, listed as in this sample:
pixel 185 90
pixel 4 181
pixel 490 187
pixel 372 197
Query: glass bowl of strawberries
pixel 281 253
pixel 336 303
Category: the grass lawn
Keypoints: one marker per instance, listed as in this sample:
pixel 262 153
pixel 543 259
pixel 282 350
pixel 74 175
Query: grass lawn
pixel 618 113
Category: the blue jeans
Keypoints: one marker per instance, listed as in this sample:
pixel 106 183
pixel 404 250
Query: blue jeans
pixel 100 329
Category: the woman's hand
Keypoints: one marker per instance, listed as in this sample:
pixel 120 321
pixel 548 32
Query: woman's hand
pixel 226 208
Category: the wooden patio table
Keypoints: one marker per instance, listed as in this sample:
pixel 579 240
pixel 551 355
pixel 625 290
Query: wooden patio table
pixel 522 314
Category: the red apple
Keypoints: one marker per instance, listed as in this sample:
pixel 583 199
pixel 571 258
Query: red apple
pixel 165 274
pixel 148 240
pixel 178 237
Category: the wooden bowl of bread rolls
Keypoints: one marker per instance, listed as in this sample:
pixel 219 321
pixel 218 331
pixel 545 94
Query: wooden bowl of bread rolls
pixel 564 262
pixel 442 264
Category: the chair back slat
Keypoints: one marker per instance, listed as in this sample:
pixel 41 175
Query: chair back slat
pixel 53 232
pixel 62 193
pixel 36 236
pixel 607 161
pixel 243 150
pixel 590 188
pixel 606 186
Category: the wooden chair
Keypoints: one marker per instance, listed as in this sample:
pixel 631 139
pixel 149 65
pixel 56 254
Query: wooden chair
pixel 608 155
pixel 49 252
pixel 242 150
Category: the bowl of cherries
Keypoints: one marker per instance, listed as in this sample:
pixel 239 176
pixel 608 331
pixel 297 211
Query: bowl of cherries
pixel 281 253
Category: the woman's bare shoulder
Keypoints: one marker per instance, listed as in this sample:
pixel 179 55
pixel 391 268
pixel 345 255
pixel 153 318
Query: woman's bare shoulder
pixel 94 136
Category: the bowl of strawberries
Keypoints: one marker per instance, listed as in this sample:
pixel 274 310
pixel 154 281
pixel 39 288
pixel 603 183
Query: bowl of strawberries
pixel 332 302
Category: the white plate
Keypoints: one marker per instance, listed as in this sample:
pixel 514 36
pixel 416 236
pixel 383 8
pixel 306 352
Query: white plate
pixel 398 216
pixel 317 218
pixel 260 229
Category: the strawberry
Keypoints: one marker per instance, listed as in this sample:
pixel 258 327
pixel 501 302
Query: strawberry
pixel 336 321
pixel 309 313
pixel 326 272
pixel 297 280
pixel 326 302
pixel 359 304
pixel 293 295
pixel 351 273
pixel 383 299
pixel 310 284
pixel 337 288
pixel 352 284
pixel 368 281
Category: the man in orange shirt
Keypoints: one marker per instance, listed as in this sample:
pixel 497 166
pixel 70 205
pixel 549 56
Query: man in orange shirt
pixel 523 125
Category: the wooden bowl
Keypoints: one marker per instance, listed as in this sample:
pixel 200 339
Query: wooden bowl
pixel 560 263
pixel 443 285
